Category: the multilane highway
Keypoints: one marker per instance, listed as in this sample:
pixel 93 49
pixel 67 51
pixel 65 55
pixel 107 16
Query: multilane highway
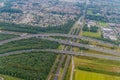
pixel 65 52
pixel 61 35
pixel 74 44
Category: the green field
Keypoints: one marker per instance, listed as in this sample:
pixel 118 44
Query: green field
pixel 28 66
pixel 92 34
pixel 85 75
pixel 96 65
pixel 6 36
pixel 89 12
pixel 103 24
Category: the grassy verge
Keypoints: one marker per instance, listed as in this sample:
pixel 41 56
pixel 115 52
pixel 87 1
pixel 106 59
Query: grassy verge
pixel 68 74
pixel 28 44
pixel 6 36
pixel 9 77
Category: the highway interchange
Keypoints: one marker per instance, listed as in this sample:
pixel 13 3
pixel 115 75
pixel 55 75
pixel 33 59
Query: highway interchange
pixel 68 43
pixel 65 42
pixel 58 34
pixel 71 41
pixel 64 51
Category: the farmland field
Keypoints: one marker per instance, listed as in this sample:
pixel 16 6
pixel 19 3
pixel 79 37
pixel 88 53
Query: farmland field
pixel 85 75
pixel 99 67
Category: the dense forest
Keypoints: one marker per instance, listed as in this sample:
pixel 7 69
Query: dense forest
pixel 30 29
pixel 28 66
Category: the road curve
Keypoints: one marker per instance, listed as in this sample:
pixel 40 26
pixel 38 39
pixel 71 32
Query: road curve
pixel 108 51
pixel 58 34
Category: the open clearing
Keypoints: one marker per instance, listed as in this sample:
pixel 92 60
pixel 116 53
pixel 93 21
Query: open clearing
pixel 84 75
pixel 100 67
pixel 103 24
pixel 92 34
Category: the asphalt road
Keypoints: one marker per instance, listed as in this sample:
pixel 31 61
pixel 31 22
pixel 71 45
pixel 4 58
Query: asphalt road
pixel 63 42
pixel 108 57
pixel 74 44
pixel 1 78
pixel 57 34
pixel 66 67
pixel 59 67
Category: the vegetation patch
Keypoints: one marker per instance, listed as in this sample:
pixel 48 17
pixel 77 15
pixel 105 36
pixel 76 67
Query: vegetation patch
pixel 28 66
pixel 96 65
pixel 5 77
pixel 103 24
pixel 85 75
pixel 36 29
pixel 32 43
pixel 6 36
pixel 92 34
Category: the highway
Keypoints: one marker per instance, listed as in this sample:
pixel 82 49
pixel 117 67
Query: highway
pixel 66 67
pixel 74 44
pixel 108 57
pixel 11 32
pixel 61 35
pixel 65 42
pixel 59 67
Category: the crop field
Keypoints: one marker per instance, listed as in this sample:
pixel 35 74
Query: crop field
pixel 32 43
pixel 96 69
pixel 85 75
pixel 28 66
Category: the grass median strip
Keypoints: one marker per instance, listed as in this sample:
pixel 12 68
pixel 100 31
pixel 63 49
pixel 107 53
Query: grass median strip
pixel 28 44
